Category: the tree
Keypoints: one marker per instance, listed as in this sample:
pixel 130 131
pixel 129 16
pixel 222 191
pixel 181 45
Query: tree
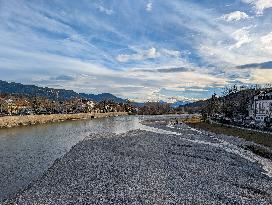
pixel 3 106
pixel 155 108
pixel 37 104
pixel 213 105
pixel 268 119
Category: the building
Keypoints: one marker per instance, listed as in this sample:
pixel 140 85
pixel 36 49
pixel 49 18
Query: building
pixel 90 105
pixel 261 106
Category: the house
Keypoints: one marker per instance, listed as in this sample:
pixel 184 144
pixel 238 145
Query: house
pixel 261 106
pixel 90 106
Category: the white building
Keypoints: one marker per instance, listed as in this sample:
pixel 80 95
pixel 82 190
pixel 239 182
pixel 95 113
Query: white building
pixel 261 106
pixel 90 106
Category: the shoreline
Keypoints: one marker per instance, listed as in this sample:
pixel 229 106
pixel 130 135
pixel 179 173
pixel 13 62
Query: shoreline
pixel 257 136
pixel 249 135
pixel 260 143
pixel 18 121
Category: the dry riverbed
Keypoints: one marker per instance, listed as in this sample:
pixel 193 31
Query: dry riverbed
pixel 159 164
pixel 16 121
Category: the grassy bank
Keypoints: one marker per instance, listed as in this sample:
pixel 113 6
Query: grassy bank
pixel 257 137
pixel 15 121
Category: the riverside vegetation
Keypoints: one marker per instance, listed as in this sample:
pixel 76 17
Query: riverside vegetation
pixel 263 141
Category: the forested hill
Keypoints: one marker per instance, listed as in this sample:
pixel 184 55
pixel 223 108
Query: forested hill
pixel 232 101
pixel 51 93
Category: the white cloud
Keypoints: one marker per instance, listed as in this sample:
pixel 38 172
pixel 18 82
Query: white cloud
pixel 259 5
pixel 139 56
pixel 241 36
pixel 149 6
pixel 261 76
pixel 148 54
pixel 197 89
pixel 224 57
pixel 180 98
pixel 267 42
pixel 105 10
pixel 235 16
pixel 172 53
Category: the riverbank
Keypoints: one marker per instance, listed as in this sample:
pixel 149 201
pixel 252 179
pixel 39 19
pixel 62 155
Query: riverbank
pixel 263 140
pixel 16 121
pixel 250 135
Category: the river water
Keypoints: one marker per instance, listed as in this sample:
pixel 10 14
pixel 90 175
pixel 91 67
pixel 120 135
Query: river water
pixel 27 152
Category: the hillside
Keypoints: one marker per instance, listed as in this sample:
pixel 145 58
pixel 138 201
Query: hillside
pixel 194 107
pixel 53 94
pixel 103 97
pixel 233 101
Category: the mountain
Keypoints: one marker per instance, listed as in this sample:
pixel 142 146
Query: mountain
pixel 173 105
pixel 200 104
pixel 53 94
pixel 102 97
pixel 179 103
pixel 138 104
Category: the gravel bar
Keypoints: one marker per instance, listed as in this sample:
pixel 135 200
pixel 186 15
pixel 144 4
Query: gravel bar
pixel 144 167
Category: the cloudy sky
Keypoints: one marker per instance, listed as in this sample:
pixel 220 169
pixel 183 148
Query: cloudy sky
pixel 137 49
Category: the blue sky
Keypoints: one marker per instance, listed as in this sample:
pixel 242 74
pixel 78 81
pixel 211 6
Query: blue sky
pixel 137 49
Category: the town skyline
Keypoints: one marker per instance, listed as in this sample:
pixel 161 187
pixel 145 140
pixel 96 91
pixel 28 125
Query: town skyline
pixel 142 50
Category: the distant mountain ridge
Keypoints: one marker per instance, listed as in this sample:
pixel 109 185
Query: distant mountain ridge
pixel 173 105
pixel 103 97
pixel 180 103
pixel 176 104
pixel 53 94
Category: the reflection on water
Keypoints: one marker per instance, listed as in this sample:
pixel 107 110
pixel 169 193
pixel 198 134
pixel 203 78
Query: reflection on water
pixel 26 152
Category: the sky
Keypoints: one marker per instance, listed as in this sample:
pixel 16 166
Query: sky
pixel 143 50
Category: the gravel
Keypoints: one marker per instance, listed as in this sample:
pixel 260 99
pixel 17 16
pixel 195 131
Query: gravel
pixel 148 167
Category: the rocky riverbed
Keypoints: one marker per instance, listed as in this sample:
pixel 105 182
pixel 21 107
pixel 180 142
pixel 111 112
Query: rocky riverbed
pixel 158 164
